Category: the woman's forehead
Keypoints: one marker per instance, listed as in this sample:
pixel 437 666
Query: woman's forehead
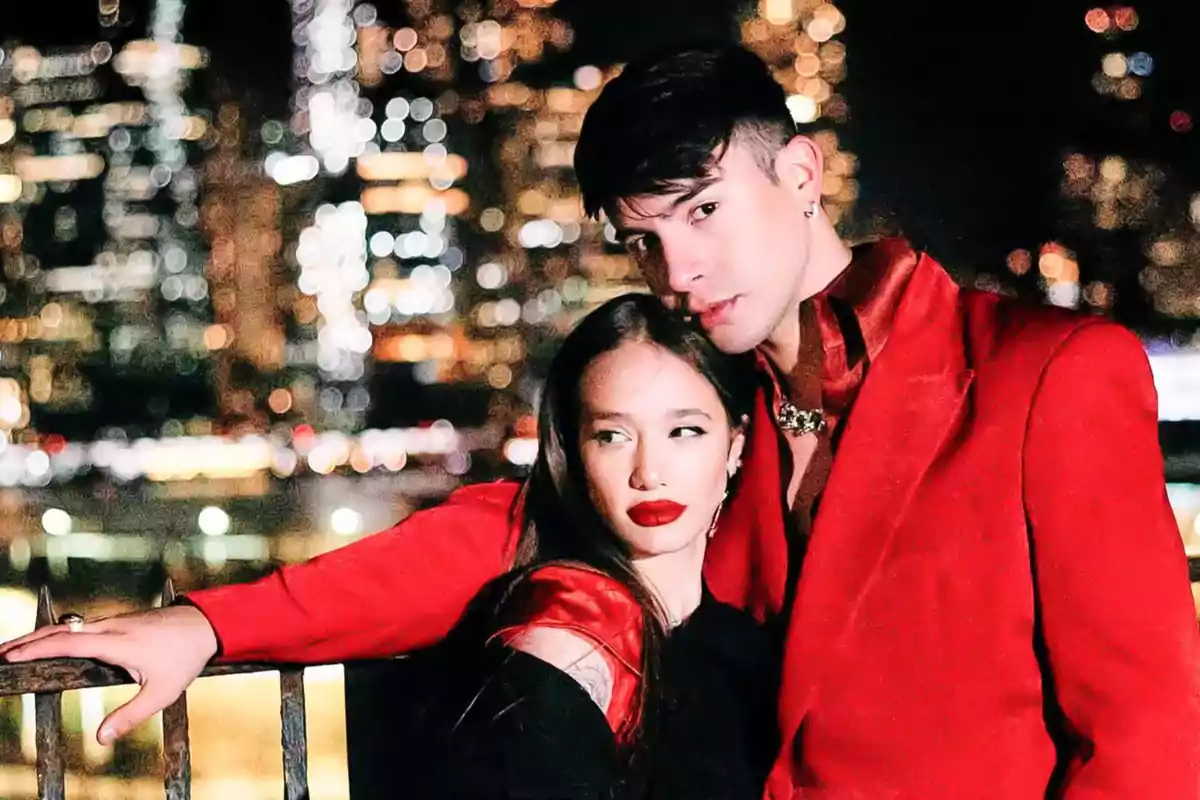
pixel 641 377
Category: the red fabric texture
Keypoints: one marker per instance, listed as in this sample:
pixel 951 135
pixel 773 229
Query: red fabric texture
pixel 600 610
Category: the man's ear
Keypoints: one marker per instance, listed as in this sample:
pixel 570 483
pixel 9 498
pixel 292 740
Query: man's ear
pixel 799 168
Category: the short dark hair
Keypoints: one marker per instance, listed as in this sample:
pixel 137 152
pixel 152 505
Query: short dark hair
pixel 668 116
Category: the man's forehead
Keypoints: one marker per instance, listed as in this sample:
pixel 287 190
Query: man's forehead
pixel 653 205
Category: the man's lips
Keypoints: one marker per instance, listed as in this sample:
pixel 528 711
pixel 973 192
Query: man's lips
pixel 715 313
pixel 653 513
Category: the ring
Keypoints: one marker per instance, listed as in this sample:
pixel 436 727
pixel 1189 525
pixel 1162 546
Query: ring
pixel 74 622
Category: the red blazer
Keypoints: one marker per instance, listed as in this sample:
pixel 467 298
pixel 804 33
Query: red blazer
pixel 994 601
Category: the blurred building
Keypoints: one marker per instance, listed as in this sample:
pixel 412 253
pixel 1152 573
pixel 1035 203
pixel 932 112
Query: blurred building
pixel 1128 244
pixel 241 218
pixel 540 264
pixel 106 302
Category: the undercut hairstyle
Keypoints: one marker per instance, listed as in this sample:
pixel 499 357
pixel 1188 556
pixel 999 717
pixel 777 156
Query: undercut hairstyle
pixel 667 119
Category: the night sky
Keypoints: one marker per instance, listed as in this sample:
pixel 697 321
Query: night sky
pixel 960 111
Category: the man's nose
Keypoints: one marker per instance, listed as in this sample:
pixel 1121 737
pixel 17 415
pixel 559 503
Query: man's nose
pixel 683 264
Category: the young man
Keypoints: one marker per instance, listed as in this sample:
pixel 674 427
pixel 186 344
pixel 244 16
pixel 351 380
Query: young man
pixel 983 595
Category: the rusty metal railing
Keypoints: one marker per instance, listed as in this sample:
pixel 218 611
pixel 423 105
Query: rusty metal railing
pixel 48 679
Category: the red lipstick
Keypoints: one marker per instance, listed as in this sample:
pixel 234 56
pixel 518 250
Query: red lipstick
pixel 653 513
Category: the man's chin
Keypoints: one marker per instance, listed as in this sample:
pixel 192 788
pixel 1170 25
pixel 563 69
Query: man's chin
pixel 733 342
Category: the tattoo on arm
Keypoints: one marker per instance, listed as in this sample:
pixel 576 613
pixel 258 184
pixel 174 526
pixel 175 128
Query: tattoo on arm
pixel 592 674
pixel 574 655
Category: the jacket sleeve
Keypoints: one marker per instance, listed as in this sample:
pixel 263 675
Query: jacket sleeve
pixel 395 591
pixel 1118 621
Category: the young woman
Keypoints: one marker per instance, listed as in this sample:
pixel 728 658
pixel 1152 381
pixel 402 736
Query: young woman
pixel 600 667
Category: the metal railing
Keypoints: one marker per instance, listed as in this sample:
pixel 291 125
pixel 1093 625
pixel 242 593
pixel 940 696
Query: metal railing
pixel 48 679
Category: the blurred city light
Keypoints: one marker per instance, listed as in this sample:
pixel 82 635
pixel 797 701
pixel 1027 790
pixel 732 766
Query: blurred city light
pixel 56 522
pixel 213 521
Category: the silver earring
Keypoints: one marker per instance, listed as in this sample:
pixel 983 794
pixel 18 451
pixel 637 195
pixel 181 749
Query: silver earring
pixel 811 211
pixel 712 527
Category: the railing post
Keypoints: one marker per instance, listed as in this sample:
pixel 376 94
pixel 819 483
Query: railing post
pixel 48 734
pixel 295 742
pixel 177 755
pixel 47 679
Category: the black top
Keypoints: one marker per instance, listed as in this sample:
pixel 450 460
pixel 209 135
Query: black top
pixel 499 724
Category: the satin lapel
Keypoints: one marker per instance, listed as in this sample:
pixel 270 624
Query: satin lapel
pixel 908 407
pixel 746 563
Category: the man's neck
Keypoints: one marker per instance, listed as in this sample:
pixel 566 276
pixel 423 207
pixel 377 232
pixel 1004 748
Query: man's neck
pixel 783 346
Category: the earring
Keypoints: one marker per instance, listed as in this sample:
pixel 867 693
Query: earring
pixel 811 211
pixel 712 526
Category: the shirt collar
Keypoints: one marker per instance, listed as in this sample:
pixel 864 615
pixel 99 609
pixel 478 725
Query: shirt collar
pixel 855 314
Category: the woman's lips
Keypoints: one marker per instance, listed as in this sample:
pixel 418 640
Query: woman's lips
pixel 653 513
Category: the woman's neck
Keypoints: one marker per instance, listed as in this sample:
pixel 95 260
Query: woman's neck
pixel 675 578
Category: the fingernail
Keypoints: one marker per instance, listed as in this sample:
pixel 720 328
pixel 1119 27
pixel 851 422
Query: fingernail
pixel 105 735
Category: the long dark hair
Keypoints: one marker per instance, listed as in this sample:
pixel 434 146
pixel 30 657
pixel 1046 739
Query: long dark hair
pixel 559 522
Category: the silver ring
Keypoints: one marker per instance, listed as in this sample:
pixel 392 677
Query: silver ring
pixel 74 622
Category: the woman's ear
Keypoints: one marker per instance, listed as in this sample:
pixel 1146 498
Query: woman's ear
pixel 735 452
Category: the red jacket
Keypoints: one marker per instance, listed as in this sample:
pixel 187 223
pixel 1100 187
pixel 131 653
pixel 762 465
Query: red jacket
pixel 993 604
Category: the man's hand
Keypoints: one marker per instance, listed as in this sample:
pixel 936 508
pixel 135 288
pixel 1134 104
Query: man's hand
pixel 163 650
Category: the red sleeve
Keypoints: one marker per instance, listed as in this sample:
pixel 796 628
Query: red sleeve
pixel 1118 618
pixel 392 592
pixel 602 611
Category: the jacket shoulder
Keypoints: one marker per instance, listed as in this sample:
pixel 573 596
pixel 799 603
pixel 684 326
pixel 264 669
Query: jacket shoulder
pixel 1001 329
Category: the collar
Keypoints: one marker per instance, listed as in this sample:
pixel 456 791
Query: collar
pixel 854 317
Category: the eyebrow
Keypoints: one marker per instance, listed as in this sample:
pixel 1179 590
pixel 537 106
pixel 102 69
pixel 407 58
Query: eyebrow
pixel 674 413
pixel 697 186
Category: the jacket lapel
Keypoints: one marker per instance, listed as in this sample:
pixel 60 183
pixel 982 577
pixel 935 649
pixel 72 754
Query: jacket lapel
pixel 907 408
pixel 747 561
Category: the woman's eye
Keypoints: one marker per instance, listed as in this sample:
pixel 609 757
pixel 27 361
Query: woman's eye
pixel 703 211
pixel 609 437
pixel 687 432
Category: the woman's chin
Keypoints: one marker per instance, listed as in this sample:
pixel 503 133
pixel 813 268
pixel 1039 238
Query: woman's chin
pixel 665 543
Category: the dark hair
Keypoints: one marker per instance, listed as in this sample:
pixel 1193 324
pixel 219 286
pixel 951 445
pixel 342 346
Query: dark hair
pixel 559 521
pixel 669 116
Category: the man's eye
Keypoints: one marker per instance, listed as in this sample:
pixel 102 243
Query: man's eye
pixel 703 211
pixel 638 246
